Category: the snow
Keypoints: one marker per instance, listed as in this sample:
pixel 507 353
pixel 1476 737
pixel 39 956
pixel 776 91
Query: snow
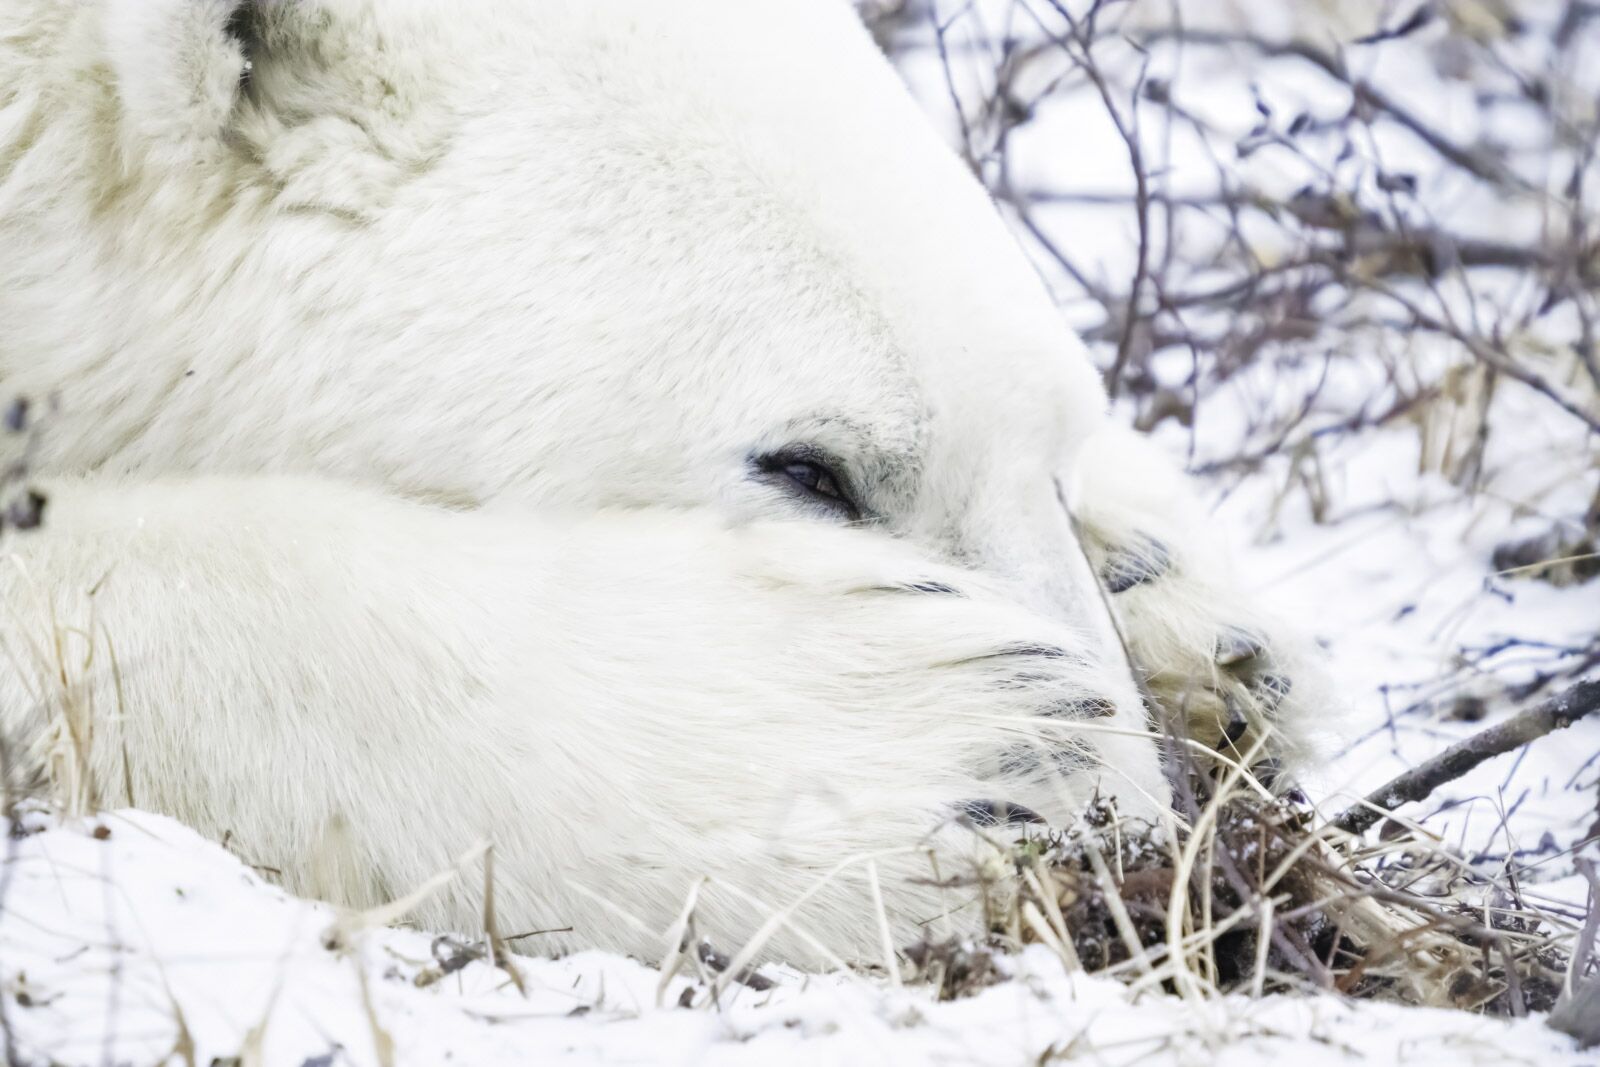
pixel 114 929
pixel 1399 588
pixel 129 939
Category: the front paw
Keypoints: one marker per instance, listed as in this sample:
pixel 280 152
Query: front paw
pixel 1203 653
pixel 1232 703
pixel 1025 703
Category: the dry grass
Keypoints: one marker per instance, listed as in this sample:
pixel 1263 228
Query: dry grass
pixel 1258 896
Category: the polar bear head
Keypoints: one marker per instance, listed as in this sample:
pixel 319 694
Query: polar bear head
pixel 618 253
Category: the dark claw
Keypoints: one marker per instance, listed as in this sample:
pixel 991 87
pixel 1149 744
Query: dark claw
pixel 1033 651
pixel 1019 762
pixel 1126 568
pixel 1073 759
pixel 1271 690
pixel 1087 708
pixel 1272 774
pixel 1235 646
pixel 1268 771
pixel 16 417
pixel 935 588
pixel 1021 652
pixel 1238 724
pixel 999 813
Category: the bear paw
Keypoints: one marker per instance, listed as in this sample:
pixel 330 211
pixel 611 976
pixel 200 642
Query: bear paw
pixel 1223 671
pixel 948 667
pixel 1205 655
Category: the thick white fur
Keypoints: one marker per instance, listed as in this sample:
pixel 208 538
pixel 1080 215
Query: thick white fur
pixel 406 404
pixel 355 688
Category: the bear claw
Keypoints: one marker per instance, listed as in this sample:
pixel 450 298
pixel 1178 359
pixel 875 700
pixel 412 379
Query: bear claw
pixel 1235 646
pixel 999 813
pixel 1128 568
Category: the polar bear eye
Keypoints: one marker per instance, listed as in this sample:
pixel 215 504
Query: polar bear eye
pixel 809 473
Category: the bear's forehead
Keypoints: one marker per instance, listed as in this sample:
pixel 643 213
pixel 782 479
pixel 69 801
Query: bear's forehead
pixel 747 145
pixel 736 209
pixel 776 125
pixel 716 222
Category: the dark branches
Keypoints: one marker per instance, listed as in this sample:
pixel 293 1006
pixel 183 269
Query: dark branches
pixel 1557 713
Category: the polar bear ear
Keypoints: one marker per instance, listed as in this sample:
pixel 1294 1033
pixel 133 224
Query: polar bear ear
pixel 181 68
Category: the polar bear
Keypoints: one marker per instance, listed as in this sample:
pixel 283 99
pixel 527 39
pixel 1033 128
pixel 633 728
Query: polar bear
pixel 619 431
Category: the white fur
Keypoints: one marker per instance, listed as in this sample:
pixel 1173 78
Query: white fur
pixel 623 702
pixel 407 400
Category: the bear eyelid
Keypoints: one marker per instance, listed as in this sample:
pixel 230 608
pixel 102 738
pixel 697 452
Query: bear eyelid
pixel 813 474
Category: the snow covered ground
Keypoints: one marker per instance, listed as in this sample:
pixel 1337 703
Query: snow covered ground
pixel 1402 590
pixel 127 939
pixel 130 940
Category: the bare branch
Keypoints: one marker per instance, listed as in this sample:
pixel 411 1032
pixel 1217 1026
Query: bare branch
pixel 1473 161
pixel 1556 713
